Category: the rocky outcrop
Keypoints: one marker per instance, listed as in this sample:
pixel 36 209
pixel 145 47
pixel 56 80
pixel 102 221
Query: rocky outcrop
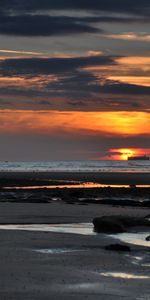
pixel 117 247
pixel 118 224
pixel 108 225
pixel 147 217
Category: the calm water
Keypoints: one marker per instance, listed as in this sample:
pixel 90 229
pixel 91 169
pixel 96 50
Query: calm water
pixel 93 166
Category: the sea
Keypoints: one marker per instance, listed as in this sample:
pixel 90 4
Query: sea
pixel 80 166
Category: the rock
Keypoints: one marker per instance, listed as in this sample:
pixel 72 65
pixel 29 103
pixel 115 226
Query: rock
pixel 107 225
pixel 117 247
pixel 132 186
pixel 147 217
pixel 116 224
pixel 147 238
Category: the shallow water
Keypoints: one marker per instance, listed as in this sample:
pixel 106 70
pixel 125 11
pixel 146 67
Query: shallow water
pixel 75 228
pixel 143 260
pixel 137 238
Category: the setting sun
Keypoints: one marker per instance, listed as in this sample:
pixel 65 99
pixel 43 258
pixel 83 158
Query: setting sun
pixel 124 153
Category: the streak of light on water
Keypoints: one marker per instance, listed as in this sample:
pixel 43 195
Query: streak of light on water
pixel 58 250
pixel 73 186
pixel 142 261
pixel 124 275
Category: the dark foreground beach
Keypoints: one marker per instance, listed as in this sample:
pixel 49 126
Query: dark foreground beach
pixel 47 265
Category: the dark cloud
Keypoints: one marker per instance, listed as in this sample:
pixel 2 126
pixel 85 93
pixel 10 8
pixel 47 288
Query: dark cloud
pixel 42 25
pixel 32 18
pixel 45 25
pixel 77 90
pixel 37 66
pixel 44 102
pixel 125 6
pixel 80 84
pixel 75 85
pixel 125 88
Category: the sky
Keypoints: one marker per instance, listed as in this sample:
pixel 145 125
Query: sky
pixel 74 79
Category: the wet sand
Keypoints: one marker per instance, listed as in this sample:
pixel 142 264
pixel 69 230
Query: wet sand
pixel 85 271
pixel 77 266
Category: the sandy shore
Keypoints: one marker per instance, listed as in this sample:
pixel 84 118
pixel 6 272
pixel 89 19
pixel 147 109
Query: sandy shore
pixel 99 177
pixel 78 267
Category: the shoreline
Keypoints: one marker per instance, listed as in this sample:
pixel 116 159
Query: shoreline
pixel 122 178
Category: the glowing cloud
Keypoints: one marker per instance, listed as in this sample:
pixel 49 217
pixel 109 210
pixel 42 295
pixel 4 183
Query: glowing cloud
pixel 93 123
pixel 7 51
pixel 129 36
pixel 138 80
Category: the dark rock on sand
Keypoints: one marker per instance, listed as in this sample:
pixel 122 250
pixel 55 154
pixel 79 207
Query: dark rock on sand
pixel 148 238
pixel 147 217
pixel 117 247
pixel 116 224
pixel 107 225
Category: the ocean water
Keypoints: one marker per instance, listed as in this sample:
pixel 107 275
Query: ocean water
pixel 81 166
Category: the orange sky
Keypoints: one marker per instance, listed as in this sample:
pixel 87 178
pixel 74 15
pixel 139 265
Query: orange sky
pixel 49 122
pixel 131 70
pixel 74 79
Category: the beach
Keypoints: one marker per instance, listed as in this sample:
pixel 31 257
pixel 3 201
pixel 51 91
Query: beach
pixel 42 264
pixel 74 150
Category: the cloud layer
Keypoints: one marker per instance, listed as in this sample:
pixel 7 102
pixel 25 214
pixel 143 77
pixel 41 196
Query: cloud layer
pixel 37 18
pixel 134 6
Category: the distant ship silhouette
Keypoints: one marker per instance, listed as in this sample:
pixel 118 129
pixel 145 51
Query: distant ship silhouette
pixel 140 157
